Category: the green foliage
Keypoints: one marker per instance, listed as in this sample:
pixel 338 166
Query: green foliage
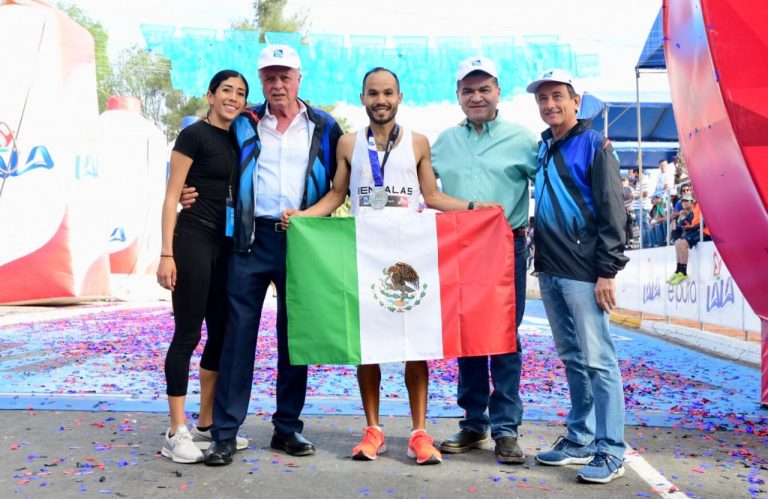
pixel 243 24
pixel 341 120
pixel 178 106
pixel 100 40
pixel 269 17
pixel 148 76
pixel 141 74
pixel 345 210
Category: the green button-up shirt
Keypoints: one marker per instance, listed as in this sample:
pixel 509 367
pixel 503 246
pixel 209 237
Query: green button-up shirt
pixel 494 165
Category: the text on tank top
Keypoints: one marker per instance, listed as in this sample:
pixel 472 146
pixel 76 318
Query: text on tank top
pixel 401 180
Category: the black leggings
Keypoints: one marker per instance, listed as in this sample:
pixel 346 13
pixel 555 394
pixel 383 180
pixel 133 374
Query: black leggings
pixel 201 294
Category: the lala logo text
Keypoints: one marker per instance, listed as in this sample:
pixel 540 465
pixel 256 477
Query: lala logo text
pixel 38 156
pixel 721 292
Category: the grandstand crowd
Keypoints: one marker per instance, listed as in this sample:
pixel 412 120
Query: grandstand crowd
pixel 662 210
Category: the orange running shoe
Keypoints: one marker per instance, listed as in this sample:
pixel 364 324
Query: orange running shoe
pixel 370 446
pixel 421 446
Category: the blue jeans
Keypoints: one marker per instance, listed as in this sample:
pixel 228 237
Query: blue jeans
pixel 660 233
pixel 584 344
pixel 504 407
pixel 642 216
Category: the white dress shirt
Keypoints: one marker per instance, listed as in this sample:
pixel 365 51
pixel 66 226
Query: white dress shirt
pixel 282 164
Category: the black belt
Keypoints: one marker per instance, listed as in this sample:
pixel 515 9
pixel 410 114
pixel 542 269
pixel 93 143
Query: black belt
pixel 272 223
pixel 520 231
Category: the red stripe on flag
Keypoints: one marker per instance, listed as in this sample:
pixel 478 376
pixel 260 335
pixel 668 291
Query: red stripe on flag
pixel 476 259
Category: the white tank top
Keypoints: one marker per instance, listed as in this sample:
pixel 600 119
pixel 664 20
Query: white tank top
pixel 401 181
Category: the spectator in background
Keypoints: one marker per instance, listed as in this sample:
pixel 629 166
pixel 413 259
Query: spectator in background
pixel 627 191
pixel 681 170
pixel 665 182
pixel 683 218
pixel 658 220
pixel 632 176
pixel 689 223
pixel 677 204
pixel 641 206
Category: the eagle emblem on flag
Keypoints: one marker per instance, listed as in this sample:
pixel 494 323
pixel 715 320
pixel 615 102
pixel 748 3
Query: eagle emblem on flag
pixel 399 289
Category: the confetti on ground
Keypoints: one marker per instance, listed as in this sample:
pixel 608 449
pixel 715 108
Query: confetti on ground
pixel 113 361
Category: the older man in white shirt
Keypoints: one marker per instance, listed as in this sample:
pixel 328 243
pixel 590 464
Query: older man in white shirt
pixel 287 160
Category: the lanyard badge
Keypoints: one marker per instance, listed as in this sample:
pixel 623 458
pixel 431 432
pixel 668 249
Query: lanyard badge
pixel 229 225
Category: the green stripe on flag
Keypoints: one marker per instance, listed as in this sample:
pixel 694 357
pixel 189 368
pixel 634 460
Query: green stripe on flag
pixel 321 291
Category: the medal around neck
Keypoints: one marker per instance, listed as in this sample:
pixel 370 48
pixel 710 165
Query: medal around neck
pixel 379 197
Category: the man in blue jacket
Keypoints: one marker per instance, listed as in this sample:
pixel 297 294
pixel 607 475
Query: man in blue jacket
pixel 287 160
pixel 580 238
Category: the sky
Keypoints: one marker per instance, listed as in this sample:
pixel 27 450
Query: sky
pixel 614 29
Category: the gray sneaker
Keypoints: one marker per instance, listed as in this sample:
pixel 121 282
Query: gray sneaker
pixel 602 469
pixel 204 439
pixel 180 448
pixel 566 452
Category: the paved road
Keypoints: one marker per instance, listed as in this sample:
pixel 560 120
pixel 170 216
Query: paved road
pixel 695 430
pixel 74 454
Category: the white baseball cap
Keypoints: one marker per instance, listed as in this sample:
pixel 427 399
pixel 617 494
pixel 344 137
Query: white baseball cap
pixel 279 55
pixel 476 63
pixel 556 75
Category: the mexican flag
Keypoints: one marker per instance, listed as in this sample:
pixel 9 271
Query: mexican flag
pixel 392 287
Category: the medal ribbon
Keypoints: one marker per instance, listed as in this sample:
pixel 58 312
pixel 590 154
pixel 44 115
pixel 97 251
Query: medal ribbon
pixel 373 155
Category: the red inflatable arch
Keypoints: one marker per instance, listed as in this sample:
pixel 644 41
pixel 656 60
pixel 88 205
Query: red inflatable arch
pixel 717 61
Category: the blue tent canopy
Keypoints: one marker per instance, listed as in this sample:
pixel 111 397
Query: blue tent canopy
pixel 652 56
pixel 656 115
pixel 653 152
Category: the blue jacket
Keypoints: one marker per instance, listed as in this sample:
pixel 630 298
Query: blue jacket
pixel 580 216
pixel 320 168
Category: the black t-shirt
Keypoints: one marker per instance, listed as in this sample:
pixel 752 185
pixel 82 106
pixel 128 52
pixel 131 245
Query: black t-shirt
pixel 213 170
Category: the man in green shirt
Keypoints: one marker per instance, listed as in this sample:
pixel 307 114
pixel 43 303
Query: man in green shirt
pixel 488 158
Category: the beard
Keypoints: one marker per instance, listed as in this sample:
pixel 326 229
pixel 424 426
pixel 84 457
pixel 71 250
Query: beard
pixel 375 118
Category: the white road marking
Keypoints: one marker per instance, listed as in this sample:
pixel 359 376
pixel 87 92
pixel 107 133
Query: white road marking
pixel 658 482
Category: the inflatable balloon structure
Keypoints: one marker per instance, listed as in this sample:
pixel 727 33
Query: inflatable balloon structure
pixel 51 244
pixel 717 55
pixel 80 194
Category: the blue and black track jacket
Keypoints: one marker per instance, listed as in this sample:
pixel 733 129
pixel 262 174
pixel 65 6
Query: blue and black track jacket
pixel 580 216
pixel 320 168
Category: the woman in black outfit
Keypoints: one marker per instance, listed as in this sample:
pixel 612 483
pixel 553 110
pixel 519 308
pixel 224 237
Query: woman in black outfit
pixel 193 260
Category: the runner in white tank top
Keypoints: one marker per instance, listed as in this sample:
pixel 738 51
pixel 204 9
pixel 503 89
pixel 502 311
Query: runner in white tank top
pixel 401 180
pixel 407 173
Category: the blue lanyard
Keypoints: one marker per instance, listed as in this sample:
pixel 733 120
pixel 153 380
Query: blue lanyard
pixel 373 155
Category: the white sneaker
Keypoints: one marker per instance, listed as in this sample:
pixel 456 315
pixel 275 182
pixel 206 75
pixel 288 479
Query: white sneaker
pixel 204 439
pixel 180 448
